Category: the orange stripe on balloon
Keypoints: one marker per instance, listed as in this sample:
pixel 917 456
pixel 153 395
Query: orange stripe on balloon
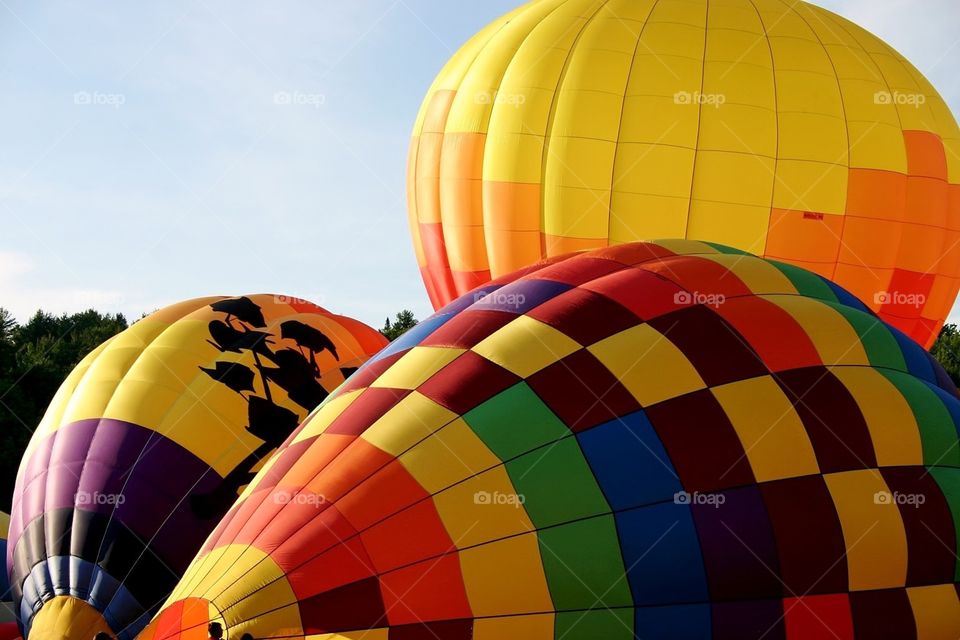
pixel 196 616
pixel 428 179
pixel 370 342
pixel 874 193
pixel 427 185
pixel 461 200
pixel 870 242
pixel 925 154
pixel 953 207
pixel 864 282
pixel 511 212
pixel 920 248
pixel 927 201
pixel 803 236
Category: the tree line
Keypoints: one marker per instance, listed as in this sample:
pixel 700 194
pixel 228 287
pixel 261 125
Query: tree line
pixel 36 356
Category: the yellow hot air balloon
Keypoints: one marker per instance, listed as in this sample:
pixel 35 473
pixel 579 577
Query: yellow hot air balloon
pixel 148 442
pixel 772 126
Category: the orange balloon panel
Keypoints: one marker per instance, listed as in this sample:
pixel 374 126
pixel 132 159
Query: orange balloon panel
pixel 775 127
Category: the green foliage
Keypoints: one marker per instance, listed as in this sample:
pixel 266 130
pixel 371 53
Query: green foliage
pixel 404 321
pixel 35 358
pixel 947 351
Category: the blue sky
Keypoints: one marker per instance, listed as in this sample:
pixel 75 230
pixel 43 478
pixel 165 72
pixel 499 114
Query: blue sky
pixel 179 175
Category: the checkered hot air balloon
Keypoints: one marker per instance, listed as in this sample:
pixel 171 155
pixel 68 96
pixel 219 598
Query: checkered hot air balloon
pixel 668 440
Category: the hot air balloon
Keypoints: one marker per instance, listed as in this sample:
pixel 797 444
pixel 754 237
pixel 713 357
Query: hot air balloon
pixel 9 630
pixel 147 444
pixel 775 127
pixel 656 440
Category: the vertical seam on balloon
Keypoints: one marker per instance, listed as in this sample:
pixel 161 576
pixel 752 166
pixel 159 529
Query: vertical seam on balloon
pixel 79 480
pixel 275 323
pixel 25 525
pixel 153 432
pixel 443 136
pixel 146 549
pixel 414 219
pixel 548 130
pixel 483 209
pixel 485 133
pixel 776 111
pixel 42 517
pixel 502 463
pixel 880 76
pixel 699 103
pixel 919 79
pixel 935 130
pixel 378 469
pixel 147 446
pixel 623 108
pixel 846 125
pixel 248 545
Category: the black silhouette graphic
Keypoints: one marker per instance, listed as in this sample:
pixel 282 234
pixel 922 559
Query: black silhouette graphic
pixel 236 376
pixel 295 370
pixel 307 336
pixel 243 308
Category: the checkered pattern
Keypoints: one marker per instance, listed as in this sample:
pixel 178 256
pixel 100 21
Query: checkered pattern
pixel 649 441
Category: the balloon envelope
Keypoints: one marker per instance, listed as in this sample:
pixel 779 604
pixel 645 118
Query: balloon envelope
pixel 148 442
pixel 659 441
pixel 776 127
pixel 8 615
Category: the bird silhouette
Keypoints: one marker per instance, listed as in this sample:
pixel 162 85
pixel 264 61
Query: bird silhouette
pixel 297 375
pixel 243 309
pixel 236 376
pixel 307 336
pixel 227 338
